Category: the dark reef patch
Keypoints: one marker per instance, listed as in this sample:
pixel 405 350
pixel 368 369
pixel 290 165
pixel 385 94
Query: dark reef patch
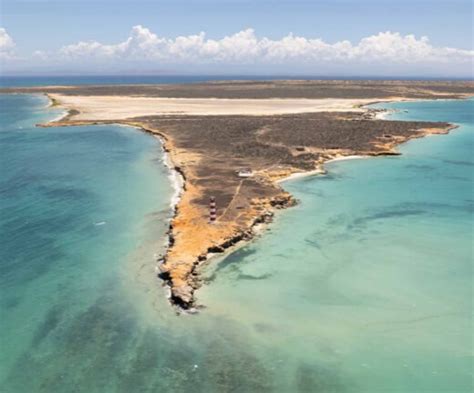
pixel 316 378
pixel 50 322
pixel 242 276
pixel 386 214
pixel 458 162
pixel 238 256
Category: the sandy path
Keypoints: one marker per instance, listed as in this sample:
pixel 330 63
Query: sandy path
pixel 119 107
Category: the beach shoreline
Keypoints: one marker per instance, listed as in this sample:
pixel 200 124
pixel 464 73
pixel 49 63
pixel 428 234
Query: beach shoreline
pixel 253 232
pixel 260 223
pixel 192 242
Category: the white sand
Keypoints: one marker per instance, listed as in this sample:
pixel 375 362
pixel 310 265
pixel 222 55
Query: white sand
pixel 345 158
pixel 319 171
pixel 120 107
pixel 299 175
pixel 176 179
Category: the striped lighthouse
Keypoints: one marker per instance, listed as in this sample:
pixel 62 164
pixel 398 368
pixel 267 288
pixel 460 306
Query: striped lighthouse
pixel 212 210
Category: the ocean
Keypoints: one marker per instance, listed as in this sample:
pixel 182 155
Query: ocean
pixel 51 80
pixel 365 286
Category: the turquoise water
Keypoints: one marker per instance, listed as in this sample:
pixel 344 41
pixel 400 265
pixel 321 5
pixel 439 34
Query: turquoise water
pixel 76 205
pixel 365 286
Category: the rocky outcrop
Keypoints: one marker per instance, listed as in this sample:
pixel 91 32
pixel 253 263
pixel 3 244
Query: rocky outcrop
pixel 207 150
pixel 182 291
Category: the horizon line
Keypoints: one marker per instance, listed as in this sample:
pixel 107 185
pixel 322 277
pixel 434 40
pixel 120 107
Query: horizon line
pixel 236 75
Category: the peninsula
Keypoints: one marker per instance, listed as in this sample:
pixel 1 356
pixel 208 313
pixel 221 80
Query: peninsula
pixel 234 141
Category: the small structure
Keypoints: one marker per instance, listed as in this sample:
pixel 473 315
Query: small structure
pixel 244 172
pixel 212 210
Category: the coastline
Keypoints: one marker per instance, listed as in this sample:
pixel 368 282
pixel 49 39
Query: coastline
pixel 320 171
pixel 326 296
pixel 222 250
pixel 182 295
pixel 54 104
pixel 176 178
pixel 227 246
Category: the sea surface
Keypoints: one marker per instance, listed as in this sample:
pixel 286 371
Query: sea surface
pixel 50 80
pixel 365 287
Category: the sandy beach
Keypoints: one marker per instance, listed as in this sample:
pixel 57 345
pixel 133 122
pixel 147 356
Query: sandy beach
pixel 119 107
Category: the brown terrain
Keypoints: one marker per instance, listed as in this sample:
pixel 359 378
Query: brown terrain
pixel 208 150
pixel 273 89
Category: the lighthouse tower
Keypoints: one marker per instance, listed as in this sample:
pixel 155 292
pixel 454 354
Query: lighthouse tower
pixel 212 210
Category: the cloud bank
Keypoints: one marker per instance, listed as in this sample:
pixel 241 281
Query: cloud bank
pixel 245 47
pixel 382 52
pixel 7 46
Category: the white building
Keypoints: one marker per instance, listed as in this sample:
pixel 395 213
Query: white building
pixel 244 172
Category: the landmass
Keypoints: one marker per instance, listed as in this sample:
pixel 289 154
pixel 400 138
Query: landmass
pixel 235 141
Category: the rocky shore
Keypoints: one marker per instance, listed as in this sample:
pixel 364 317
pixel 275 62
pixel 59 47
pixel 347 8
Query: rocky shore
pixel 192 238
pixel 208 151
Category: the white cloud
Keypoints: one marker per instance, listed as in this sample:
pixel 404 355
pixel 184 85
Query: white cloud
pixel 245 47
pixel 383 54
pixel 40 55
pixel 7 45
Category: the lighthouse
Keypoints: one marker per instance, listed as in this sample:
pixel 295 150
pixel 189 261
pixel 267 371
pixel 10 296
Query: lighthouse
pixel 212 210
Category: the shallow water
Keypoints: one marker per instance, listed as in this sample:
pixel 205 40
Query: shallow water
pixel 365 286
pixel 76 205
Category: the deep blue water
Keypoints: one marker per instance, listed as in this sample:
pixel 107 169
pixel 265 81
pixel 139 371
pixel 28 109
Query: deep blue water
pixel 365 287
pixel 19 81
pixel 10 81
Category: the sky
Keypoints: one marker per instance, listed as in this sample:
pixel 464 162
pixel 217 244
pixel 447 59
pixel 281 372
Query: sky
pixel 292 37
